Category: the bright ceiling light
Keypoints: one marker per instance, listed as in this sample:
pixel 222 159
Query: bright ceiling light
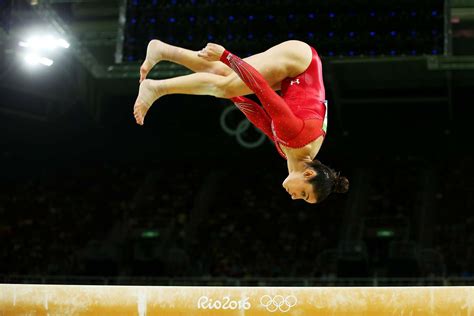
pixel 62 43
pixel 33 59
pixel 47 42
pixel 46 61
pixel 38 48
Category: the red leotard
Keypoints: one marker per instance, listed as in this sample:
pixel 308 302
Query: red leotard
pixel 295 118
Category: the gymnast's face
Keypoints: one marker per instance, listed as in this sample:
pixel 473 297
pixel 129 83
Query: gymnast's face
pixel 297 185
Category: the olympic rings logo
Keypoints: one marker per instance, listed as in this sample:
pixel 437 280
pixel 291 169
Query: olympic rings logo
pixel 240 130
pixel 278 303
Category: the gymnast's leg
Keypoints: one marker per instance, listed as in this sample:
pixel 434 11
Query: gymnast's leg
pixel 158 51
pixel 275 64
pixel 200 83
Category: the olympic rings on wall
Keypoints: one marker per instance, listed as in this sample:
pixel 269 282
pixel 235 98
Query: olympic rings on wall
pixel 240 130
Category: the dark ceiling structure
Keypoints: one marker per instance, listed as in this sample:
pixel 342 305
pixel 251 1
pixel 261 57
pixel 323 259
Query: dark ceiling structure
pixel 108 42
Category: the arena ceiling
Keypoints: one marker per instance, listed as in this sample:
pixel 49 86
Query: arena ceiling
pixel 95 31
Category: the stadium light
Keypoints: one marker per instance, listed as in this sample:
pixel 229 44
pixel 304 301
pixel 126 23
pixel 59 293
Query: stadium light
pixel 47 42
pixel 34 59
pixel 62 43
pixel 37 48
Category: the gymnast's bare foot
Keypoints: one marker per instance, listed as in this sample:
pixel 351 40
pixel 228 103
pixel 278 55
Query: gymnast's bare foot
pixel 154 54
pixel 149 92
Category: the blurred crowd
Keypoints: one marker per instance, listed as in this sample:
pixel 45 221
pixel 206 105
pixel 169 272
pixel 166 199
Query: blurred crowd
pixel 164 219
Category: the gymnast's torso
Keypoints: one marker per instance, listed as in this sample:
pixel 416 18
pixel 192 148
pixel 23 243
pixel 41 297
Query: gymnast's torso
pixel 297 117
pixel 310 149
pixel 305 95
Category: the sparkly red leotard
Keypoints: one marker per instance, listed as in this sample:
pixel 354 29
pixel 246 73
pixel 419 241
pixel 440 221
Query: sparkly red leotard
pixel 294 119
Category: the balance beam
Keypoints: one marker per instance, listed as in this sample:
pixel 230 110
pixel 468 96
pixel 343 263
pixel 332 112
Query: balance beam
pixel 162 300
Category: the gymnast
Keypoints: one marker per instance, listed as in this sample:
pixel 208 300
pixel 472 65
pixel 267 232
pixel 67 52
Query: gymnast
pixel 296 121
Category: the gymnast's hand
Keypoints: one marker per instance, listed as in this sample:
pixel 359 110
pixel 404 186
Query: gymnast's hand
pixel 212 52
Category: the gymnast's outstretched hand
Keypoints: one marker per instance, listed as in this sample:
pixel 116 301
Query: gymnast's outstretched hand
pixel 212 52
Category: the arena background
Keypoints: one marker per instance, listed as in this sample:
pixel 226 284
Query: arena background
pixel 89 197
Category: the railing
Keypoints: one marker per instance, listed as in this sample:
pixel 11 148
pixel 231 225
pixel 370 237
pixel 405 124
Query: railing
pixel 207 281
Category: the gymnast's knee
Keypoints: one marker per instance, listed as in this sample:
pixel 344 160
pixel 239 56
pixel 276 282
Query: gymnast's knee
pixel 223 89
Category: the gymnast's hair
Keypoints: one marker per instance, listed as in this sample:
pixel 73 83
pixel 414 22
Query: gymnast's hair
pixel 326 181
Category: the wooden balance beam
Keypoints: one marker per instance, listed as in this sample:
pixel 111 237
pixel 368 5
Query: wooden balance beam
pixel 49 300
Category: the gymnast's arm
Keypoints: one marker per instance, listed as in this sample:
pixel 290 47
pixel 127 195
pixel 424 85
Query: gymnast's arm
pixel 255 114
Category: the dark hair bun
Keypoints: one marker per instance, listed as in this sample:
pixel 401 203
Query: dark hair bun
pixel 341 185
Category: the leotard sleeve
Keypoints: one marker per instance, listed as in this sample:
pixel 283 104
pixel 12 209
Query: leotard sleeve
pixel 286 124
pixel 255 114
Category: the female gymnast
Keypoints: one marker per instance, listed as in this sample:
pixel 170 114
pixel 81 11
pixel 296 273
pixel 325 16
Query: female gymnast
pixel 296 121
